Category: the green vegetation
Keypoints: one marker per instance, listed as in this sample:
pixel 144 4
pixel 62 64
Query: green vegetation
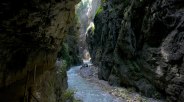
pixel 99 10
pixel 103 1
pixel 64 54
pixel 69 48
pixel 69 96
pixel 91 27
pixel 63 69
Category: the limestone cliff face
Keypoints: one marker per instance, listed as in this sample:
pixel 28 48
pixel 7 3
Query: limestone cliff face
pixel 140 43
pixel 30 37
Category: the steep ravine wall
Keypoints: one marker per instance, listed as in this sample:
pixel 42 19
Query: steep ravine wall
pixel 140 44
pixel 85 12
pixel 30 36
pixel 70 47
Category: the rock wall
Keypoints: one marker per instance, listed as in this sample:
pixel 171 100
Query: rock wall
pixel 140 44
pixel 85 12
pixel 70 46
pixel 52 85
pixel 30 37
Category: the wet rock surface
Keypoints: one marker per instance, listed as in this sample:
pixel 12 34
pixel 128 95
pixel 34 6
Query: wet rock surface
pixel 140 44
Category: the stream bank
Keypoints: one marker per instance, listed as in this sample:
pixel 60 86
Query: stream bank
pixel 88 88
pixel 87 91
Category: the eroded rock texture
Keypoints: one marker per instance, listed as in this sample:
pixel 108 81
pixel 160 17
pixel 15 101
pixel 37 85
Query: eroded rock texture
pixel 140 43
pixel 70 47
pixel 30 36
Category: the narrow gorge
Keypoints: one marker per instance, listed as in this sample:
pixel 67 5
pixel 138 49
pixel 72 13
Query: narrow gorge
pixel 92 51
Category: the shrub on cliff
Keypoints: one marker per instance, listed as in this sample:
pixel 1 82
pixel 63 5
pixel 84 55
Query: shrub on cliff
pixel 99 10
pixel 64 54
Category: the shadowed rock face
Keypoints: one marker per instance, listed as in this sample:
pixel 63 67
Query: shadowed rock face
pixel 141 44
pixel 30 37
